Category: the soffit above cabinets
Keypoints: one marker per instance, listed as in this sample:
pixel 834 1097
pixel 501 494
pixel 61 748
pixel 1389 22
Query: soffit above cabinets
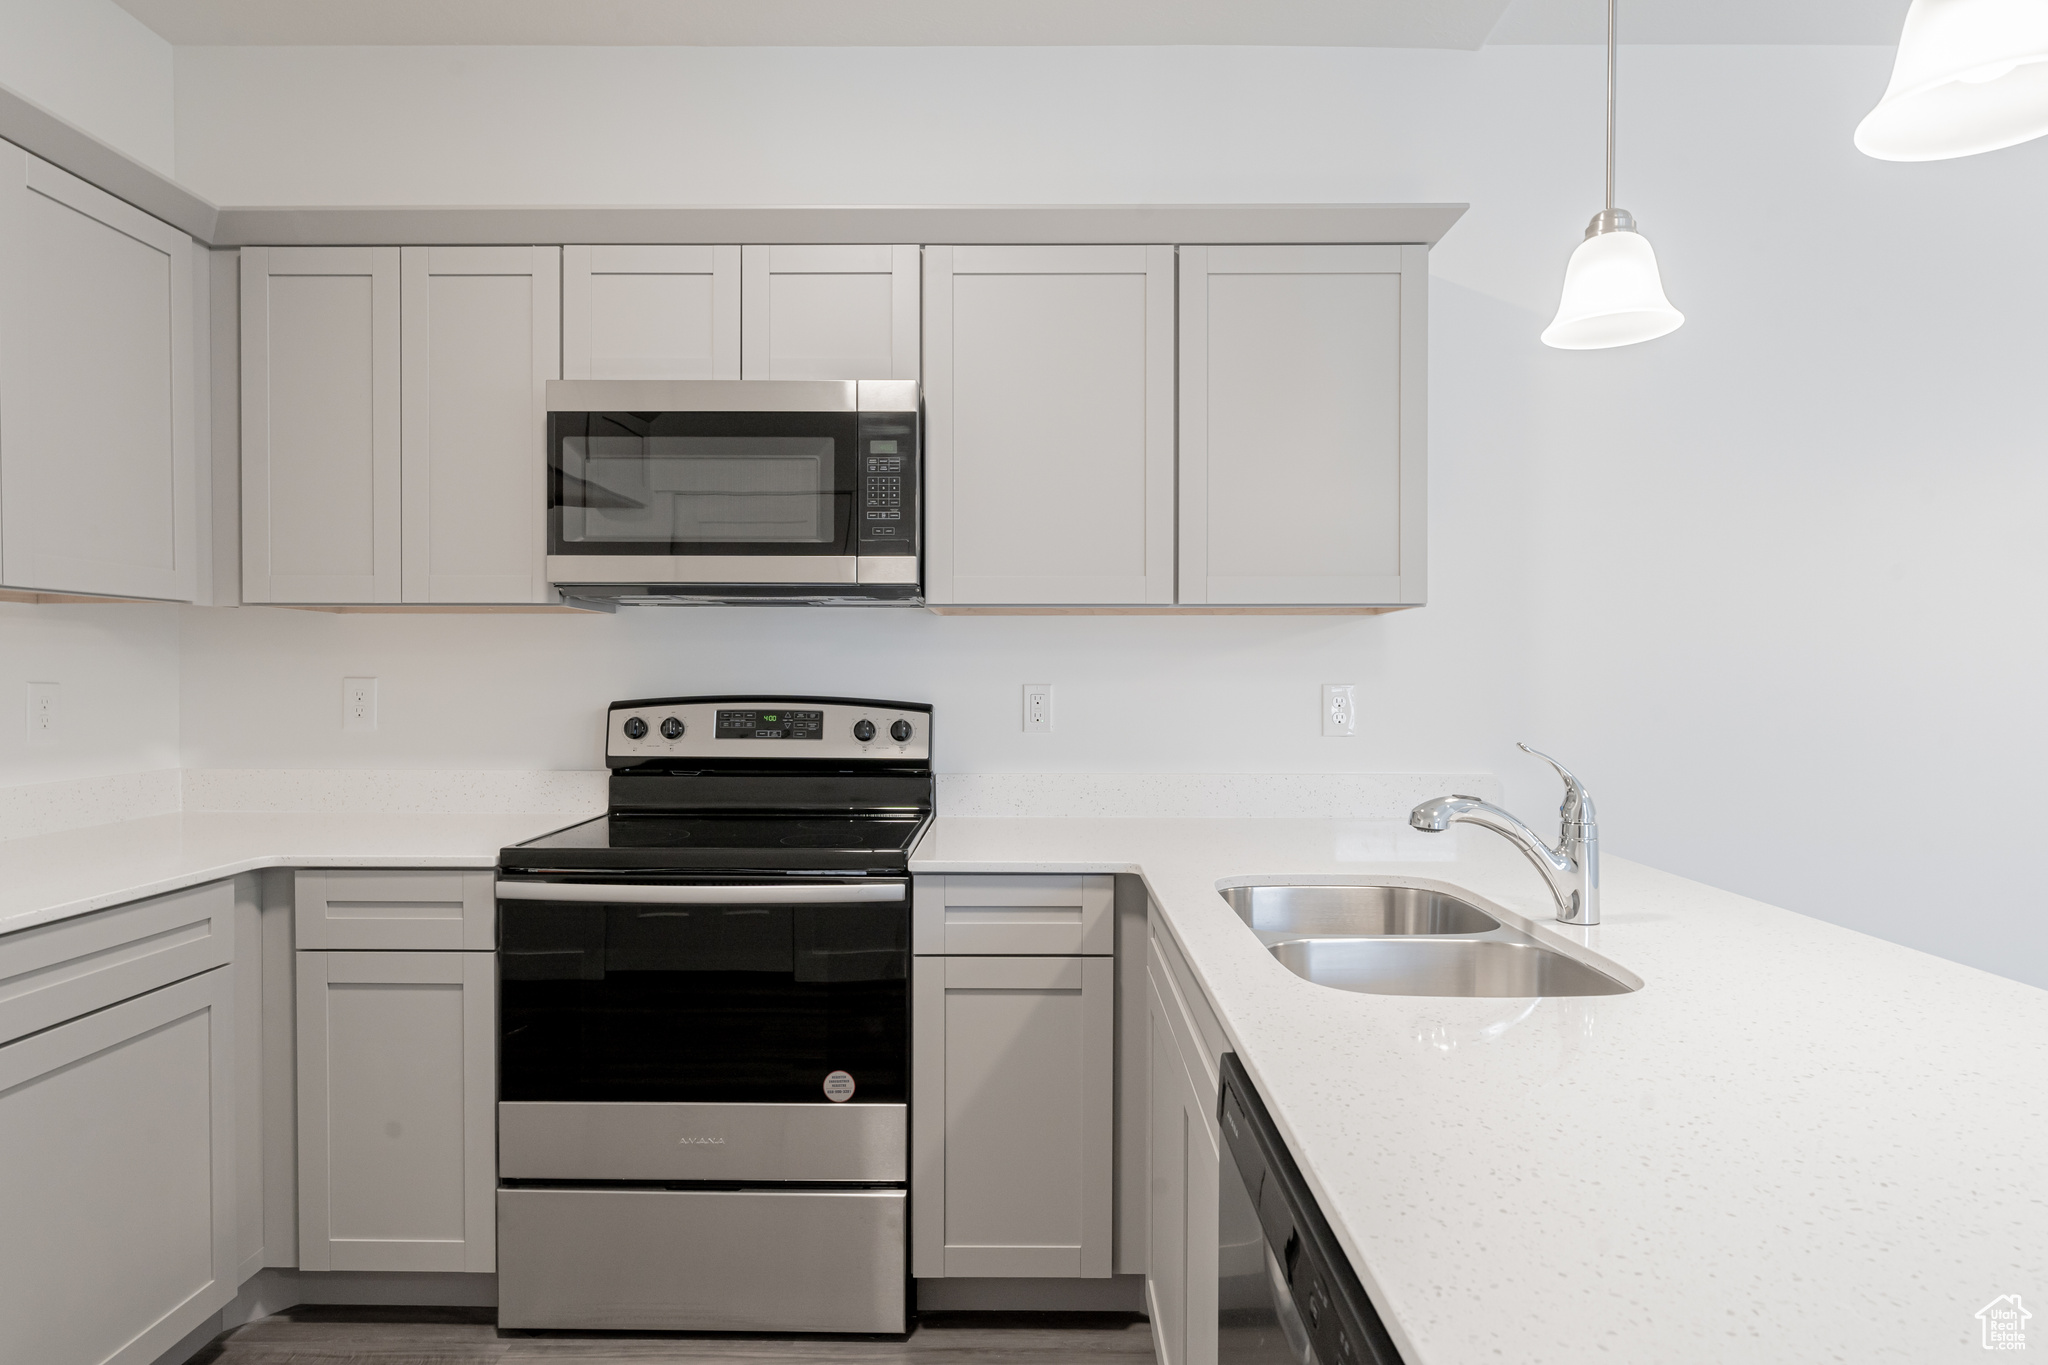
pixel 820 23
pixel 964 225
pixel 1463 24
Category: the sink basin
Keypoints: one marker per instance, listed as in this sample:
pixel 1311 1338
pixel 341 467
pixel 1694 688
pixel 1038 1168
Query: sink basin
pixel 1421 966
pixel 1311 910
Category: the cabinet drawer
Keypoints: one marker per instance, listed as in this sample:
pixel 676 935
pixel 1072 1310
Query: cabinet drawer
pixel 59 971
pixel 372 909
pixel 990 915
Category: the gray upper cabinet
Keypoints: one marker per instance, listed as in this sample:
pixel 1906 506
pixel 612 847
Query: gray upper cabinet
pixel 482 336
pixel 830 312
pixel 1302 402
pixel 97 391
pixel 650 312
pixel 393 423
pixel 1049 379
pixel 320 424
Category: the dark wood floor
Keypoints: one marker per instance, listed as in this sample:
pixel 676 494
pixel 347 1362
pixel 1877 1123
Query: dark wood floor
pixel 468 1336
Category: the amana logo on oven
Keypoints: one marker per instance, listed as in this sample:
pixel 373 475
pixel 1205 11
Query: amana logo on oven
pixel 700 1142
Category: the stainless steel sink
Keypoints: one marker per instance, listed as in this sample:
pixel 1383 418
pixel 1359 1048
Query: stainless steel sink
pixel 1423 966
pixel 1325 910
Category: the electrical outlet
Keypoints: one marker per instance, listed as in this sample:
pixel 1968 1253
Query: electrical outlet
pixel 1340 709
pixel 359 704
pixel 1038 708
pixel 45 711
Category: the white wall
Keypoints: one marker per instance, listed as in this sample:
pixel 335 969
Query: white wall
pixel 96 65
pixel 1770 583
pixel 117 670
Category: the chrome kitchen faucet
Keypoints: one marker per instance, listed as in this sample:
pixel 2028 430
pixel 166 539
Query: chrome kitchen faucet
pixel 1571 870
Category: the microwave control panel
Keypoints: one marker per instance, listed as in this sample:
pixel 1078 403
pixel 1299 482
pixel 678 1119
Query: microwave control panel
pixel 886 503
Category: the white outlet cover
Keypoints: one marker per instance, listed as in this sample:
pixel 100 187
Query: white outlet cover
pixel 358 704
pixel 45 712
pixel 1038 708
pixel 1340 709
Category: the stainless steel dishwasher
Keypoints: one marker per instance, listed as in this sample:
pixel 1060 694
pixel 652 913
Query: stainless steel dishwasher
pixel 1285 1292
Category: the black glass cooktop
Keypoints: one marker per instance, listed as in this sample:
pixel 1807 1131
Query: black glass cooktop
pixel 739 842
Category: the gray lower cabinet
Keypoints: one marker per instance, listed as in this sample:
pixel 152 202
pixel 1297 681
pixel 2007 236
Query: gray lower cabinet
pixel 1012 1130
pixel 397 1149
pixel 117 1130
pixel 1180 1283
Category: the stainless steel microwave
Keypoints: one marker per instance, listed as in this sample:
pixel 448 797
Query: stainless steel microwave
pixel 752 490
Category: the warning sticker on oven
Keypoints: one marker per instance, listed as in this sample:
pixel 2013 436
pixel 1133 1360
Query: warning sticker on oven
pixel 839 1087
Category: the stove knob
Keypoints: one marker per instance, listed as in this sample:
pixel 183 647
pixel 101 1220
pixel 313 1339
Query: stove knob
pixel 671 728
pixel 863 730
pixel 636 728
pixel 900 731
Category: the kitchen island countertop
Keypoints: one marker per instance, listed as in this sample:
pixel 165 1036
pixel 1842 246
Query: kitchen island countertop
pixel 1794 1143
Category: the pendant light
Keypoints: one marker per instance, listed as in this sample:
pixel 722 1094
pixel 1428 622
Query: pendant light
pixel 1613 295
pixel 1971 76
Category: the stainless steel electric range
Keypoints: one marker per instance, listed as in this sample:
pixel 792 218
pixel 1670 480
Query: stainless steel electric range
pixel 704 1042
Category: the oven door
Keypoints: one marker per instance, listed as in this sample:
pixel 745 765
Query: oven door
pixel 712 992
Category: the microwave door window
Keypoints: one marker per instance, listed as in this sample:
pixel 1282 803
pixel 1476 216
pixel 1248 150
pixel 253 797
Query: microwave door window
pixel 606 493
pixel 745 489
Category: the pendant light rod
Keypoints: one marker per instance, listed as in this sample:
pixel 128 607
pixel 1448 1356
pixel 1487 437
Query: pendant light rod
pixel 1611 50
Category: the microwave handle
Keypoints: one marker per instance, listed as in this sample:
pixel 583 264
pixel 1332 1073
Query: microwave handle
pixel 614 893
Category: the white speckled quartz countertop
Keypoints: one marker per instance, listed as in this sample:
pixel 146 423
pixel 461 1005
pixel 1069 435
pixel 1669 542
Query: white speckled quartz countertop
pixel 1794 1143
pixel 49 877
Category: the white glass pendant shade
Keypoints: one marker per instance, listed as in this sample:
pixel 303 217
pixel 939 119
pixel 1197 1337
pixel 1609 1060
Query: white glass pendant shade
pixel 1613 296
pixel 1971 76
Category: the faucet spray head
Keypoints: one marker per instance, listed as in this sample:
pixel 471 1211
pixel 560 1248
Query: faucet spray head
pixel 1436 814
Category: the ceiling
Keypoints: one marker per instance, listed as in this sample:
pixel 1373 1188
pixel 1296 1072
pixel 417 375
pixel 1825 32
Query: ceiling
pixel 922 23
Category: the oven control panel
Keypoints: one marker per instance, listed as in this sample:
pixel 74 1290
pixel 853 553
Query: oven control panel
pixel 767 729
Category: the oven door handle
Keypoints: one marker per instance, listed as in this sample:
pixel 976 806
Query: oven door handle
pixel 618 893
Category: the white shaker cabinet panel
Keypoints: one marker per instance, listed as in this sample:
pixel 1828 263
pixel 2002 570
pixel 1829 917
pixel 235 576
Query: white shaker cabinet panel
pixel 482 338
pixel 1302 436
pixel 98 435
pixel 830 312
pixel 1000 914
pixel 320 424
pixel 650 312
pixel 118 1211
pixel 395 909
pixel 1013 1064
pixel 1180 1280
pixel 1049 381
pixel 397 1144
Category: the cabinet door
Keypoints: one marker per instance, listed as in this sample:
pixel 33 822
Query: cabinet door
pixel 97 398
pixel 829 312
pixel 1049 419
pixel 117 1134
pixel 320 495
pixel 482 338
pixel 397 1150
pixel 650 312
pixel 1302 395
pixel 1013 1065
